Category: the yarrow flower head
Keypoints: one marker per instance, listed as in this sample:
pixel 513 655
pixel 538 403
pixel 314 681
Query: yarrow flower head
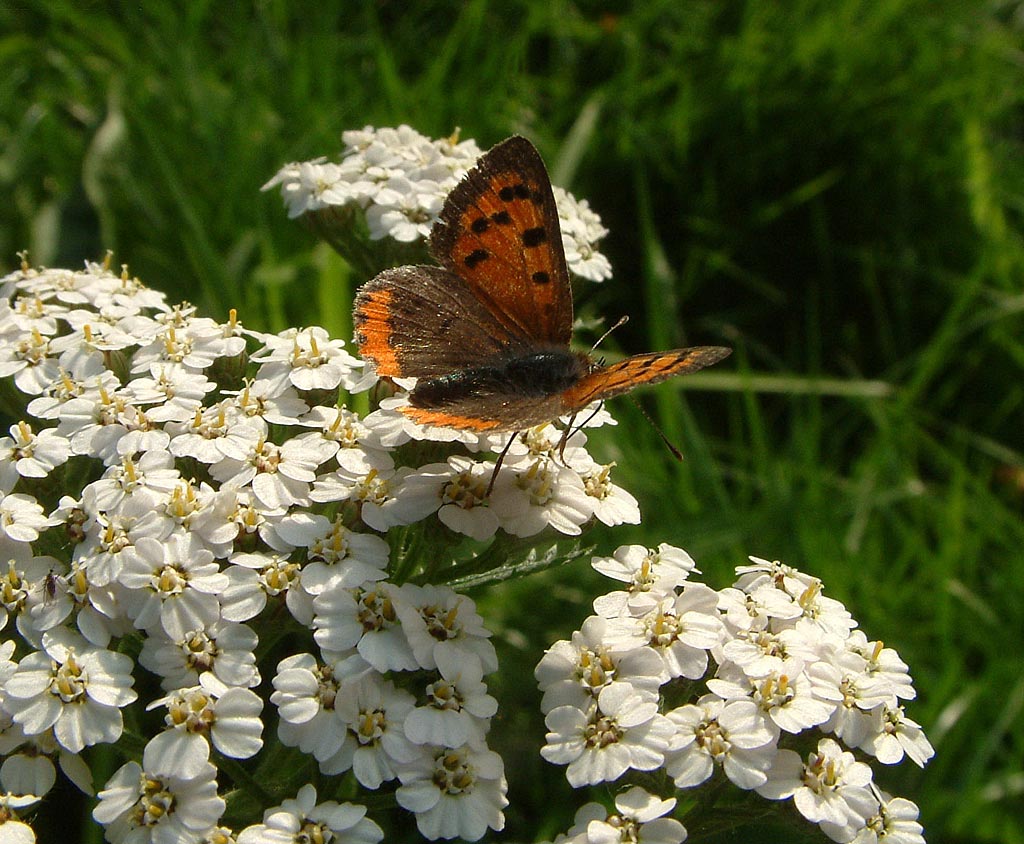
pixel 766 660
pixel 398 179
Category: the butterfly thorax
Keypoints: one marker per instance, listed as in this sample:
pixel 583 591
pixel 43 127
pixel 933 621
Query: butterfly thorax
pixel 539 374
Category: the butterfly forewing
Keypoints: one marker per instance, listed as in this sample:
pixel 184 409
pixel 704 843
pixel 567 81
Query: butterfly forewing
pixel 607 381
pixel 420 321
pixel 499 231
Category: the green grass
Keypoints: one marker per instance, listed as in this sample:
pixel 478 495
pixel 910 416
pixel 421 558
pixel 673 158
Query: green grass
pixel 832 188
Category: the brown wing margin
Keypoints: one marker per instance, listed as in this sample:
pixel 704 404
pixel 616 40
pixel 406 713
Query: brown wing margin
pixel 421 321
pixel 499 230
pixel 609 381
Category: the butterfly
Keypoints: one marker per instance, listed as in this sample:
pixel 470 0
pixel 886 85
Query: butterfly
pixel 487 332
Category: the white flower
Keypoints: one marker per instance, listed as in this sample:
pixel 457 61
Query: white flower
pixel 714 732
pixel 380 494
pixel 223 649
pixel 223 517
pixel 336 556
pixel 50 599
pixel 573 673
pixel 365 619
pixel 280 475
pixel 404 210
pixel 652 574
pixel 150 478
pixel 192 342
pixel 460 486
pixel 457 709
pixel 64 388
pixel 303 819
pixel 28 767
pixel 28 454
pixel 149 805
pixel 275 402
pixel 177 391
pixel 612 504
pixel 174 584
pixel 97 422
pixel 785 696
pixel 228 718
pixel 308 186
pixel 401 178
pixel 831 787
pixel 13 830
pixel 306 694
pixel 374 712
pixel 359 447
pixel 754 611
pixel 437 620
pixel 894 735
pixel 30 360
pixel 308 359
pixel 581 229
pixel 640 818
pixel 109 541
pixel 895 822
pixel 883 663
pixel 455 792
pixel 21 518
pixel 214 433
pixel 778 575
pixel 681 630
pixel 72 686
pixel 826 613
pixel 532 496
pixel 23 587
pixel 622 730
pixel 253 578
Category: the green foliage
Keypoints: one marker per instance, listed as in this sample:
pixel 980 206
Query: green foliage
pixel 832 188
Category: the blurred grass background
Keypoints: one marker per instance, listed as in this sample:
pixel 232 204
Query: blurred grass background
pixel 834 189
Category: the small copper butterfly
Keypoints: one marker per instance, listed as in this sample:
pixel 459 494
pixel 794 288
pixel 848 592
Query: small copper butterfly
pixel 487 333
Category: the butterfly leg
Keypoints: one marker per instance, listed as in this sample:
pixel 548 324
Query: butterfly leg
pixel 499 461
pixel 569 431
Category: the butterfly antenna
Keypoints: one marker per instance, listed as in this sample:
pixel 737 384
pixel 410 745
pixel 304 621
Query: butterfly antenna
pixel 622 321
pixel 676 453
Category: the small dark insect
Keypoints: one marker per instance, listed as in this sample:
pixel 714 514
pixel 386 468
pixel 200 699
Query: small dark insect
pixel 50 586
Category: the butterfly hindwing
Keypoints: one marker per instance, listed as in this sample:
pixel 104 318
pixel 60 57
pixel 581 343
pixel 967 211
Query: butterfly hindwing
pixel 492 411
pixel 423 322
pixel 499 230
pixel 607 381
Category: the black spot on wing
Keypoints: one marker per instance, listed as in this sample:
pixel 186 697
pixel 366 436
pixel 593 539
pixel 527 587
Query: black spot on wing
pixel 534 237
pixel 480 225
pixel 541 277
pixel 502 218
pixel 475 257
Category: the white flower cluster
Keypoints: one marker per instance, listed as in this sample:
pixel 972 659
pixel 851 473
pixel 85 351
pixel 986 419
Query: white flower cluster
pixel 194 487
pixel 400 178
pixel 773 657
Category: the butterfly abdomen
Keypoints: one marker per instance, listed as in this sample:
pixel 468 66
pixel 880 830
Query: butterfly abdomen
pixel 536 375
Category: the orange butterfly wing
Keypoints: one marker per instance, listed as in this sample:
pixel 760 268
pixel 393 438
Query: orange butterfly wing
pixel 607 381
pixel 499 231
